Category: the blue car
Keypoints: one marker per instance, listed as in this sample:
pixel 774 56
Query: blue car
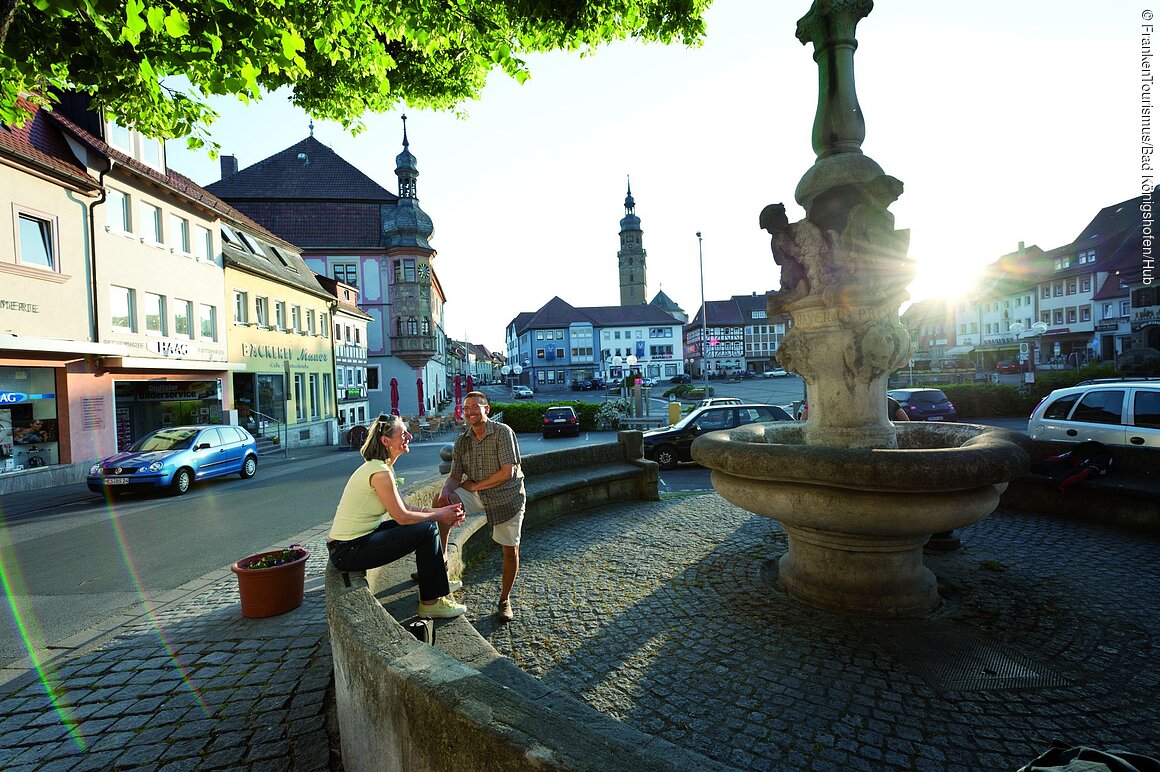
pixel 173 458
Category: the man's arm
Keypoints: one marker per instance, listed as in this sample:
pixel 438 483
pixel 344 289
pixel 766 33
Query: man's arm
pixel 499 477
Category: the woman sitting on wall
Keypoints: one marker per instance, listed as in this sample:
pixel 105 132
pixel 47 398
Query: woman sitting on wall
pixel 373 526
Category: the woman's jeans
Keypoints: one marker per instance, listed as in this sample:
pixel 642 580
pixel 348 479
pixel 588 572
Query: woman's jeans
pixel 391 541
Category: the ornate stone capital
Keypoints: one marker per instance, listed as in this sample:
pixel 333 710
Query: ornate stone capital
pixel 832 21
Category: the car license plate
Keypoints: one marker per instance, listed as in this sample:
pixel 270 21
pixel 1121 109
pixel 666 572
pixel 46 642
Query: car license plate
pixel 116 481
pixel 559 420
pixel 935 418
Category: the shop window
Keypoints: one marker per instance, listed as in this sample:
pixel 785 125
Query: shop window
pixel 315 402
pixel 117 211
pixel 121 309
pixel 154 307
pixel 300 396
pixel 208 323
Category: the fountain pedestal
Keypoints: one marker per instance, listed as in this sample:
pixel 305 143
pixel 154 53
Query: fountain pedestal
pixel 858 518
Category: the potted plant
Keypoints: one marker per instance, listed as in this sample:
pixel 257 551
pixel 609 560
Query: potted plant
pixel 272 583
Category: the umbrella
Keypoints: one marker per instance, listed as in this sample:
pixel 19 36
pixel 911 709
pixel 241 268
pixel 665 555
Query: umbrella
pixel 422 405
pixel 394 396
pixel 470 383
pixel 458 399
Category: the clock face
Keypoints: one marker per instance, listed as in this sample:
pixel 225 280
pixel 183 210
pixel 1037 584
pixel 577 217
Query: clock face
pixel 424 272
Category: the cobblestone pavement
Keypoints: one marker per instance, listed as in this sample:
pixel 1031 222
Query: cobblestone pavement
pixel 660 615
pixel 194 686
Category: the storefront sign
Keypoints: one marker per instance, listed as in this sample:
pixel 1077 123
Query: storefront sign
pixel 176 390
pixel 16 305
pixel 262 351
pixel 170 348
pixel 16 397
pixel 1107 327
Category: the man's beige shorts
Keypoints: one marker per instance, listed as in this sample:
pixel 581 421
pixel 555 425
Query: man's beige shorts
pixel 506 533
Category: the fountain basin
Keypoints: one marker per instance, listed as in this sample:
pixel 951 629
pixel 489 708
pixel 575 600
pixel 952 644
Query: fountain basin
pixel 857 518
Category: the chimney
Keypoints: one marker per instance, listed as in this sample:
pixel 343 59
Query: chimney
pixel 229 165
pixel 1021 250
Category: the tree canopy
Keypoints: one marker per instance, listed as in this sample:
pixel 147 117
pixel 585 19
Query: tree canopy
pixel 339 58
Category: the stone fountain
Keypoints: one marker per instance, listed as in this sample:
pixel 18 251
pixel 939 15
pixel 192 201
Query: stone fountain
pixel 857 494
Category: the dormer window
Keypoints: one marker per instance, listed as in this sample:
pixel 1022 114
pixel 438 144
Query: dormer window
pixel 147 150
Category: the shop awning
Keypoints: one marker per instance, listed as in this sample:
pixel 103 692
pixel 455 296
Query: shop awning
pixel 958 351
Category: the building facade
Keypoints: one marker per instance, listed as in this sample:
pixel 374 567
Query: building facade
pixel 355 231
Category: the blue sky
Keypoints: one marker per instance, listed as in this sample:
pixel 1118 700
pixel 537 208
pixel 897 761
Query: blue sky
pixel 1005 121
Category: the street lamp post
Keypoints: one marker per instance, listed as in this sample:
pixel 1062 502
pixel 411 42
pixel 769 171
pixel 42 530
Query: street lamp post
pixel 505 371
pixel 704 317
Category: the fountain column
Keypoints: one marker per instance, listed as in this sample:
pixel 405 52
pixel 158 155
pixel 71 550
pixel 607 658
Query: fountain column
pixel 857 495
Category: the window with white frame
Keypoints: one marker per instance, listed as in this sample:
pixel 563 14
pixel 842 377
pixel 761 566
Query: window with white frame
pixel 315 402
pixel 1085 314
pixel 280 314
pixel 1045 317
pixel 121 309
pixel 262 311
pixel 1125 307
pixel 241 307
pixel 1057 318
pixel 310 326
pixel 324 325
pixel 1087 256
pixel 1085 285
pixel 183 318
pixel 1071 316
pixel 300 396
pixel 179 233
pixel 339 372
pixel 1046 291
pixel 150 223
pixel 153 307
pixel 1106 310
pixel 36 240
pixel 208 322
pixel 118 210
pixel 296 318
pixel 203 242
pixel 1071 287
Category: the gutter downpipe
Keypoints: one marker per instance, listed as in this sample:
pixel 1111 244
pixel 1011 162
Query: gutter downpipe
pixel 93 327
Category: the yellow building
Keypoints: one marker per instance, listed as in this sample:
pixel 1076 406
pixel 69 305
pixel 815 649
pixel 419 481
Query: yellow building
pixel 279 338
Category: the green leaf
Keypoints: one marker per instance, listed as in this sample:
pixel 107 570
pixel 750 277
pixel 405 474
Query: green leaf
pixel 156 17
pixel 176 24
pixel 134 24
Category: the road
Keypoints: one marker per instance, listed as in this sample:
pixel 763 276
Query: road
pixel 70 560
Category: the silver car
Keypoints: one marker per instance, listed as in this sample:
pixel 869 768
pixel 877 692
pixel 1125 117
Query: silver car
pixel 1114 412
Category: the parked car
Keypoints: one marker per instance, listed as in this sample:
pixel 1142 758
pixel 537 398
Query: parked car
pixel 175 457
pixel 681 378
pixel 648 382
pixel 1112 412
pixel 522 392
pixel 924 404
pixel 746 375
pixel 559 421
pixel 670 445
pixel 598 384
pixel 582 385
pixel 711 401
pixel 776 373
pixel 1008 366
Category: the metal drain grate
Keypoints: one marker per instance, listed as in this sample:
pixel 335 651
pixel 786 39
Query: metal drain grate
pixel 955 658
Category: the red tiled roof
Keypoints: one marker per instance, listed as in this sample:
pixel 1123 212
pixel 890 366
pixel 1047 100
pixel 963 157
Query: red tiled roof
pixel 40 143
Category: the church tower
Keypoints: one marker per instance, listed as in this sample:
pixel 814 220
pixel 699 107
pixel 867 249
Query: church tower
pixel 633 283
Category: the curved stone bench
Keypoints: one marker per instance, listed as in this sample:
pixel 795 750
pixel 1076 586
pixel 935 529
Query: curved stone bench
pixel 459 704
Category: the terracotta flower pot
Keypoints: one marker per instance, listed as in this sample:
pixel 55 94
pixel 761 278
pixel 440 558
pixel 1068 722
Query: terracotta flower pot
pixel 267 592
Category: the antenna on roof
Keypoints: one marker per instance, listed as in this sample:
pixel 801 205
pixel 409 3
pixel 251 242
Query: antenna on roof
pixel 312 127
